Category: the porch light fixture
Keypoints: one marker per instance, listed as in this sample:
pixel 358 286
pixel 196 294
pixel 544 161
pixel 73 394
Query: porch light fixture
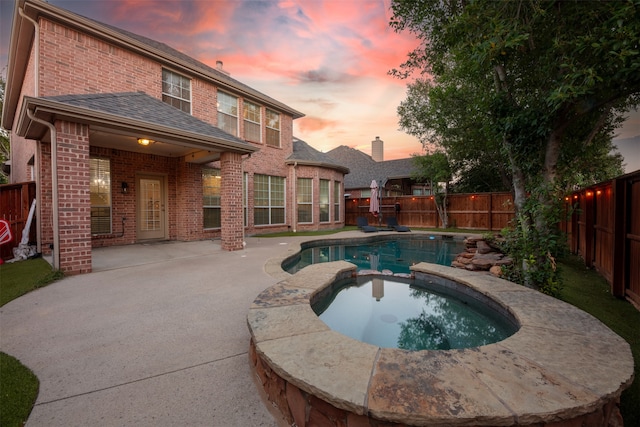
pixel 145 141
pixel 125 187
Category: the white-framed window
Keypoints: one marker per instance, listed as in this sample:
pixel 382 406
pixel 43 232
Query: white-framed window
pixel 273 128
pixel 245 198
pixel 324 200
pixel 336 201
pixel 268 200
pixel 100 195
pixel 211 191
pixel 252 121
pixel 228 113
pixel 176 90
pixel 304 196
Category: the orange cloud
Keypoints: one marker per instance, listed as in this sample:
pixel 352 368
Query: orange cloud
pixel 314 124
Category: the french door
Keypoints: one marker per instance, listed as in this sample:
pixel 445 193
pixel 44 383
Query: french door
pixel 152 213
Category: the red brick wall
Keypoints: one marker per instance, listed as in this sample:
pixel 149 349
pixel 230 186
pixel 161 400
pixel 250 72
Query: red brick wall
pixel 317 174
pixel 73 63
pixel 231 204
pixel 74 203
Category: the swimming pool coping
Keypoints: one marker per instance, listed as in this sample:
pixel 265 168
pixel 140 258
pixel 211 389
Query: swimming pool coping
pixel 273 266
pixel 562 363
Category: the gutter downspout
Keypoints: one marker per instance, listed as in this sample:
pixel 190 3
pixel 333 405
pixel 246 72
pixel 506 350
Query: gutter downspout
pixel 36 48
pixel 294 220
pixel 36 90
pixel 54 188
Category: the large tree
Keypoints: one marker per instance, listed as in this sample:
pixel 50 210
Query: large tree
pixel 539 84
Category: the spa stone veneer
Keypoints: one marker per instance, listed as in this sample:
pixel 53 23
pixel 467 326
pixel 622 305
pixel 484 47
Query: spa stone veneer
pixel 563 368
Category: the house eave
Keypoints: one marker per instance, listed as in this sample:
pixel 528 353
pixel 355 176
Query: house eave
pixel 19 52
pixel 50 111
pixel 338 168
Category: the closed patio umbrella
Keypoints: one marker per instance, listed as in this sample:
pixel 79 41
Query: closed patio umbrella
pixel 374 204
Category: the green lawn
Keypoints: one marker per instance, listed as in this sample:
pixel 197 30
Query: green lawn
pixel 588 291
pixel 18 385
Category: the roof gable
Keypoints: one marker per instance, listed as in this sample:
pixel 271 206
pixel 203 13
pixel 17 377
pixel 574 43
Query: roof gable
pixel 364 169
pixel 305 154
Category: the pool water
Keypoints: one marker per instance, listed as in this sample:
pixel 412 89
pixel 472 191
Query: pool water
pixel 400 313
pixel 396 255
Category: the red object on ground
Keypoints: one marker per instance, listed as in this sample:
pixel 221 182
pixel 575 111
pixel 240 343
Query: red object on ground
pixel 5 234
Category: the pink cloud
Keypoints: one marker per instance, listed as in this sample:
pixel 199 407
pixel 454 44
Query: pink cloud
pixel 314 124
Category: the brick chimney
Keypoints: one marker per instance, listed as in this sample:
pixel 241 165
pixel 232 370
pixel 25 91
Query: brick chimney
pixel 377 149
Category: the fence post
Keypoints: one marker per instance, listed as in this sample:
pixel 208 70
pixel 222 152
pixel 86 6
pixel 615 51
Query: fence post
pixel 618 275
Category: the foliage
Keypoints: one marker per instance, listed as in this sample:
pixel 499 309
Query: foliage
pixel 536 249
pixel 588 291
pixel 535 86
pixel 4 138
pixel 18 391
pixel 435 169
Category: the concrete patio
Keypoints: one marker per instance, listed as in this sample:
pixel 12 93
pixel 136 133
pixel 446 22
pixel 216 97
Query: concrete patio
pixel 155 336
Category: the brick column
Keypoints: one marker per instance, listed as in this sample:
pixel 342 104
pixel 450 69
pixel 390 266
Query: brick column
pixel 231 201
pixel 73 197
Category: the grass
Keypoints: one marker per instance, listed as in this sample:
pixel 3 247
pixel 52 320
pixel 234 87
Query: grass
pixel 590 292
pixel 18 385
pixel 18 278
pixel 18 391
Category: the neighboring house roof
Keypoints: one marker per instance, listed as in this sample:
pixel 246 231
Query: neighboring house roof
pixel 304 154
pixel 364 169
pixel 22 36
pixel 135 113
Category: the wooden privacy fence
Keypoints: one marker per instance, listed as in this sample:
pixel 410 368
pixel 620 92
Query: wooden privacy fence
pixel 479 211
pixel 604 229
pixel 15 202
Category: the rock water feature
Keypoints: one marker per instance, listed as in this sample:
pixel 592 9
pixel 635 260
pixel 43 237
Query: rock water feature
pixel 480 255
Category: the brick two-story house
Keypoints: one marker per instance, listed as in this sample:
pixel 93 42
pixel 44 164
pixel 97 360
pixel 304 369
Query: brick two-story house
pixel 130 140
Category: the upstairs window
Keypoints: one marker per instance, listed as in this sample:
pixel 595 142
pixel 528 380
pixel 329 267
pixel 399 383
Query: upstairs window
pixel 273 128
pixel 228 113
pixel 252 122
pixel 176 90
pixel 100 195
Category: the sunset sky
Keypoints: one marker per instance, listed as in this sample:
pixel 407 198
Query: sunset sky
pixel 326 58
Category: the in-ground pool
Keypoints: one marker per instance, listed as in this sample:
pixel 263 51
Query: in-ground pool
pixel 410 315
pixel 386 252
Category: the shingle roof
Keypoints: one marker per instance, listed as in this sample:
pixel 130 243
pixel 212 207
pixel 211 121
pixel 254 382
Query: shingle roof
pixel 364 169
pixel 140 106
pixel 305 154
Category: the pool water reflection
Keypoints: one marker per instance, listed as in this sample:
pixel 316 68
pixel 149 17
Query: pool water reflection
pixel 401 313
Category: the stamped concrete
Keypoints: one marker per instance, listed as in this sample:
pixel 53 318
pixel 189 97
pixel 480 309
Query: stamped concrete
pixel 561 366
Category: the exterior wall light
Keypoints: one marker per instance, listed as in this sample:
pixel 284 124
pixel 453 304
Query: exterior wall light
pixel 145 142
pixel 125 187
